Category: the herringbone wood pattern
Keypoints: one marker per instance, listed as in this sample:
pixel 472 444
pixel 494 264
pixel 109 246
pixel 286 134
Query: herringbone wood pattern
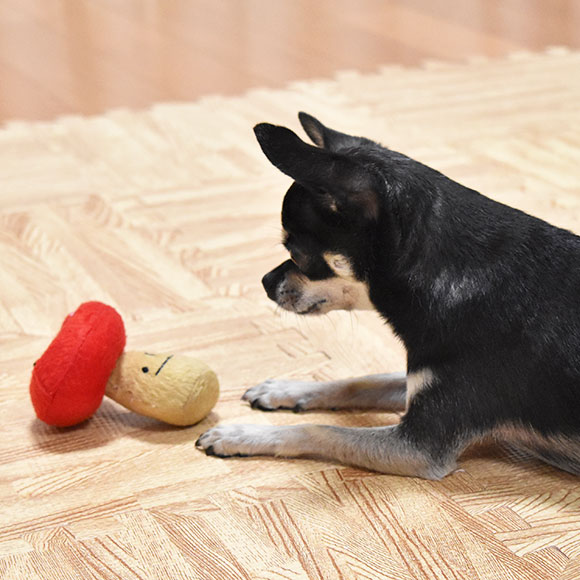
pixel 172 216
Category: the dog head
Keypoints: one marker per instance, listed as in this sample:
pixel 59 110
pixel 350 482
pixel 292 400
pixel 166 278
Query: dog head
pixel 328 217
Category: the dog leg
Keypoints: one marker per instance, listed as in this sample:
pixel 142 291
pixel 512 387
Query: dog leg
pixel 383 449
pixel 560 451
pixel 386 392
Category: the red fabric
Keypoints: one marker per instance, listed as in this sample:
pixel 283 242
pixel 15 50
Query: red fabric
pixel 69 380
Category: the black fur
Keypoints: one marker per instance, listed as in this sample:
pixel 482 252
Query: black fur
pixel 484 295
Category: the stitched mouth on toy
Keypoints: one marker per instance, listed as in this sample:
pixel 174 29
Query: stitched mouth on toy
pixel 164 363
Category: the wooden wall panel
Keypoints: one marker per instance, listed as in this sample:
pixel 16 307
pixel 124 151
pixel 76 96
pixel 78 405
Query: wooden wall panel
pixel 85 56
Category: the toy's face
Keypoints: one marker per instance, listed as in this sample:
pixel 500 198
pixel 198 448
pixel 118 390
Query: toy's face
pixel 177 389
pixel 152 364
pixel 148 370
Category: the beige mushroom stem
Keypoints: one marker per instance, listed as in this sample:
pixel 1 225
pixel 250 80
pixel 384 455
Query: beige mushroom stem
pixel 176 389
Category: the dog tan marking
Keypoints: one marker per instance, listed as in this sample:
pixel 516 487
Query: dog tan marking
pixel 416 382
pixel 340 265
pixel 299 294
pixel 342 294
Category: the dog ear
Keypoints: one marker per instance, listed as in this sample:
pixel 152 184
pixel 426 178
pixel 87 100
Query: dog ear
pixel 343 182
pixel 286 151
pixel 328 138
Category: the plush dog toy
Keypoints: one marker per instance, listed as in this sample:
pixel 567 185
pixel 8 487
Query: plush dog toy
pixel 85 361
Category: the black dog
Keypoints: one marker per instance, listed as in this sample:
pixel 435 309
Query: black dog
pixel 485 298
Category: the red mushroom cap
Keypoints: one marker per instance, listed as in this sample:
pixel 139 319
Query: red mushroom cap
pixel 69 380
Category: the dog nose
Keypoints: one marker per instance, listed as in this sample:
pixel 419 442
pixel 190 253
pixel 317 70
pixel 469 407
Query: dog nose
pixel 272 279
pixel 269 283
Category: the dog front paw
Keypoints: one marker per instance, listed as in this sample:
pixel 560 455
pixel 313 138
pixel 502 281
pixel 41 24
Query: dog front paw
pixel 275 394
pixel 239 440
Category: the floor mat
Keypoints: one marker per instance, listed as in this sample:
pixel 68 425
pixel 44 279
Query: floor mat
pixel 172 215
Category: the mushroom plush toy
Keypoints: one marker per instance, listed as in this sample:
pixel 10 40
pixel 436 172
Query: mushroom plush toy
pixel 85 361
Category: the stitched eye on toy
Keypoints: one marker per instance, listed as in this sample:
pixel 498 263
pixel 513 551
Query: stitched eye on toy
pixel 145 369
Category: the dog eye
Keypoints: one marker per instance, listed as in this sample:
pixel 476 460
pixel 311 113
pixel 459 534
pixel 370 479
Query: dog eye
pixel 294 258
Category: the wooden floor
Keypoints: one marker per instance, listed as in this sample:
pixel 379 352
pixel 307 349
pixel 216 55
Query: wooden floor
pixel 88 56
pixel 170 213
